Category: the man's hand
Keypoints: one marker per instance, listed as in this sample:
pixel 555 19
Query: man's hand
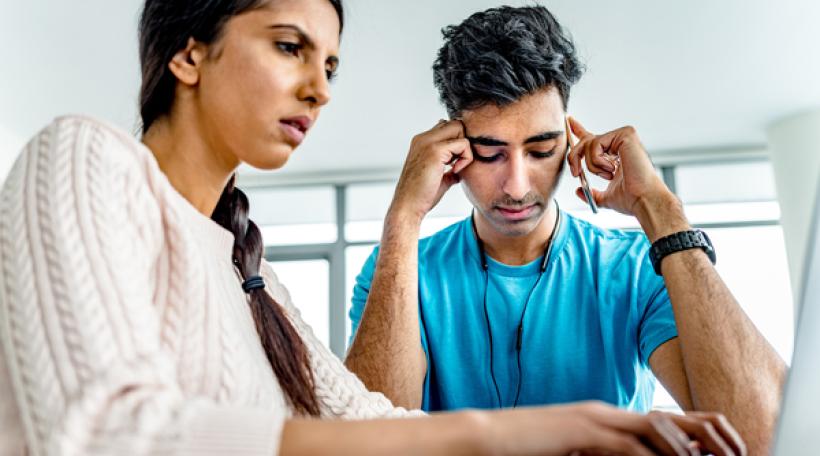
pixel 634 187
pixel 431 168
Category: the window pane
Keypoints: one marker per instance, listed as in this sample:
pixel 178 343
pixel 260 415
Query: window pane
pixel 354 260
pixel 730 182
pixel 308 284
pixel 367 205
pixel 289 216
pixel 756 211
pixel 752 263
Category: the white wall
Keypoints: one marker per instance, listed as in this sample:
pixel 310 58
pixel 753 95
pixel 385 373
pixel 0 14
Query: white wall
pixel 10 146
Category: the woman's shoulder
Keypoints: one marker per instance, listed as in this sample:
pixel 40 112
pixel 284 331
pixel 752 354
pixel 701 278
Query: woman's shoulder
pixel 74 148
pixel 81 165
pixel 82 134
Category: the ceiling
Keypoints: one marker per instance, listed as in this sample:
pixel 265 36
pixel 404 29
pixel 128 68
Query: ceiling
pixel 695 75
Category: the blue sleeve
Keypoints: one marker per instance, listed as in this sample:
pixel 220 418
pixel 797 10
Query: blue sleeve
pixel 360 291
pixel 657 324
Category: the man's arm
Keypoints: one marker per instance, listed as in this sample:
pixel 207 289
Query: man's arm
pixel 728 365
pixel 720 361
pixel 386 352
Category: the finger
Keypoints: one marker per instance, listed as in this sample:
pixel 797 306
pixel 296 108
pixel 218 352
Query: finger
pixel 676 441
pixel 577 154
pixel 595 152
pixel 710 440
pixel 451 151
pixel 463 160
pixel 606 440
pixel 444 129
pixel 449 179
pixel 597 195
pixel 578 129
pixel 709 434
pixel 660 440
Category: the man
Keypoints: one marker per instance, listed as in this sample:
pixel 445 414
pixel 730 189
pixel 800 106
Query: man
pixel 522 304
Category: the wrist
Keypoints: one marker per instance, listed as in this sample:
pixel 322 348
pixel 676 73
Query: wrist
pixel 477 436
pixel 398 215
pixel 660 215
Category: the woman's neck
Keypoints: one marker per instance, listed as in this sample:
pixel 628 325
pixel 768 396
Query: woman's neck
pixel 194 168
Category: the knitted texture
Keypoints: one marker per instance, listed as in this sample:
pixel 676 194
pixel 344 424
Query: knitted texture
pixel 123 325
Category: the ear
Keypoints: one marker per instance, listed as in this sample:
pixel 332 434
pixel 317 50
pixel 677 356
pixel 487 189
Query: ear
pixel 187 63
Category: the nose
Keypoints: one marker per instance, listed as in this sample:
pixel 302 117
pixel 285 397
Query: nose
pixel 516 178
pixel 315 88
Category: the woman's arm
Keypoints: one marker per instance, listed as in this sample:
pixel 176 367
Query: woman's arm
pixel 80 332
pixel 559 430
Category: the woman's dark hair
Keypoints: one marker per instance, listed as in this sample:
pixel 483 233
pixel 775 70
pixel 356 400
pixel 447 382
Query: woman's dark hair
pixel 499 55
pixel 164 29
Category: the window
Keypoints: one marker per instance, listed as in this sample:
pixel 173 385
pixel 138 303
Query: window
pixel 292 216
pixel 733 201
pixel 308 284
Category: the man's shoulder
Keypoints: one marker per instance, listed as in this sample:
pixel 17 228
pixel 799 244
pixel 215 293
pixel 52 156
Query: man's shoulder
pixel 445 239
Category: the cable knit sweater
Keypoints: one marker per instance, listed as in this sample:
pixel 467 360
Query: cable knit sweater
pixel 123 326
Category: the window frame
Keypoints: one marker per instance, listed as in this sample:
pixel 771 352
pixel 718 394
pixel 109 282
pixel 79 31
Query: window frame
pixel 334 252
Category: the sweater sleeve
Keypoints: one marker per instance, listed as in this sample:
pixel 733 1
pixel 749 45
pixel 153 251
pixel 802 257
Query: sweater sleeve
pixel 80 238
pixel 340 392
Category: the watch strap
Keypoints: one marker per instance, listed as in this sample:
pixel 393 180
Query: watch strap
pixel 677 242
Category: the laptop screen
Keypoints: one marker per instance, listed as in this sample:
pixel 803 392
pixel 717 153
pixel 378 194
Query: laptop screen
pixel 799 428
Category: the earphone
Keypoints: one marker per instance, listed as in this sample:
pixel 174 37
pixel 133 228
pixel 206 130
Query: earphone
pixel 520 328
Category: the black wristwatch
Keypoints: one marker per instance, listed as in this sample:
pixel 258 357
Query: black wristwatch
pixel 683 240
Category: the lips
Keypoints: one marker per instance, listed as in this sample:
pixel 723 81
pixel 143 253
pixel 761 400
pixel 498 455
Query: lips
pixel 296 128
pixel 516 213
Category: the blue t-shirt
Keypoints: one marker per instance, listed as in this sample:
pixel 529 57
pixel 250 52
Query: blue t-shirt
pixel 593 320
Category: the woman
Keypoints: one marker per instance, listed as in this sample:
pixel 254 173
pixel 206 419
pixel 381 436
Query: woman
pixel 133 298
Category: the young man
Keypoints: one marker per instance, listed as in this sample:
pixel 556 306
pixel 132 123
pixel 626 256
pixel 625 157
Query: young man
pixel 523 304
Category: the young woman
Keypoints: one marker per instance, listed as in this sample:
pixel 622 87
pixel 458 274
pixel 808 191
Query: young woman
pixel 136 315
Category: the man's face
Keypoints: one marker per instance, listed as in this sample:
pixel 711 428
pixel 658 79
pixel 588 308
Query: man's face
pixel 518 154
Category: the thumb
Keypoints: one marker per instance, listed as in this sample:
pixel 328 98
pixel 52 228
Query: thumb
pixel 597 195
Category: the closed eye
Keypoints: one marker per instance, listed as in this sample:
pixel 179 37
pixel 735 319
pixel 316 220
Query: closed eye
pixel 289 48
pixel 542 155
pixel 484 159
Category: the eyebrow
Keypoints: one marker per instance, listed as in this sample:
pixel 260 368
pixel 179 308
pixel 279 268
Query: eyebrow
pixel 490 141
pixel 333 60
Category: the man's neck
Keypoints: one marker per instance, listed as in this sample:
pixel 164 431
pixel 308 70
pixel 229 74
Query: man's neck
pixel 518 250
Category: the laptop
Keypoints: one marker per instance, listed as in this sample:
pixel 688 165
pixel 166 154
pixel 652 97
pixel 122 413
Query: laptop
pixel 798 430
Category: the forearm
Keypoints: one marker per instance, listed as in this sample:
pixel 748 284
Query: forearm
pixel 445 434
pixel 729 365
pixel 386 352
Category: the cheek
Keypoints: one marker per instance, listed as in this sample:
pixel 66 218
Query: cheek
pixel 479 183
pixel 545 177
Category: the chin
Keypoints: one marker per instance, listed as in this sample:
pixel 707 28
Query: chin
pixel 271 160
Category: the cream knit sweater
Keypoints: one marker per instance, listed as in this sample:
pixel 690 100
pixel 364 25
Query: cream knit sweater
pixel 123 326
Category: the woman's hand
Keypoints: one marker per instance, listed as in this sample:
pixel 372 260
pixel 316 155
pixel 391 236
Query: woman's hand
pixel 594 428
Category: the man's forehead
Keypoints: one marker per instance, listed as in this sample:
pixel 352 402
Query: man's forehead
pixel 517 124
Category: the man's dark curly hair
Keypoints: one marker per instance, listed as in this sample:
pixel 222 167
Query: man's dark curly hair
pixel 499 55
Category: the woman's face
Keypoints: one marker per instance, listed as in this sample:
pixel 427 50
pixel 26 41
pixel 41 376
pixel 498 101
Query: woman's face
pixel 266 79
